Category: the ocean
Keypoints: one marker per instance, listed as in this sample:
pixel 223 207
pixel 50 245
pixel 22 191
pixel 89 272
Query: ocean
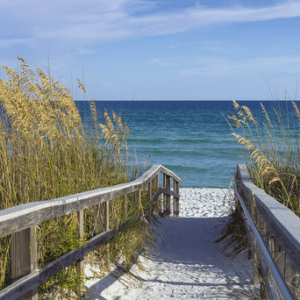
pixel 190 138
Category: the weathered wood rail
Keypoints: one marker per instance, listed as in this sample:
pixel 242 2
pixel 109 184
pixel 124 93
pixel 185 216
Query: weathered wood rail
pixel 276 238
pixel 21 221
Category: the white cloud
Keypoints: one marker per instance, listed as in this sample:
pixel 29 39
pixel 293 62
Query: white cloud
pixel 213 46
pixel 141 5
pixel 219 67
pixel 12 42
pixel 107 20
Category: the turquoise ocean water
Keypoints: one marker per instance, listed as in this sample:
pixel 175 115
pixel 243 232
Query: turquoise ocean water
pixel 191 138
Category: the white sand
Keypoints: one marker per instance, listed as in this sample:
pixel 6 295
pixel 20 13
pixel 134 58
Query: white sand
pixel 188 264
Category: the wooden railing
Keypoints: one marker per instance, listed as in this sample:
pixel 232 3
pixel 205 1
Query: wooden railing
pixel 21 221
pixel 276 230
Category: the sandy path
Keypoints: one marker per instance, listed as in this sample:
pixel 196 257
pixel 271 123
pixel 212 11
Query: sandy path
pixel 187 264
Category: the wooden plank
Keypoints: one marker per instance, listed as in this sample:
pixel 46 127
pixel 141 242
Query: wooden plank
pixel 24 258
pixel 284 265
pixel 106 222
pixel 238 207
pixel 290 275
pixel 261 228
pixel 155 185
pixel 149 194
pixel 80 261
pixel 168 196
pixel 261 225
pixel 23 219
pixel 278 257
pixel 150 189
pixel 37 277
pixel 246 222
pixel 283 223
pixel 176 199
pixel 164 195
pixel 106 216
pixel 169 173
pixel 139 199
pixel 273 249
pixel 156 195
pixel 271 285
pixel 255 262
pixel 249 237
pixel 27 215
pixel 160 198
pixel 169 192
pixel 159 201
pixel 253 248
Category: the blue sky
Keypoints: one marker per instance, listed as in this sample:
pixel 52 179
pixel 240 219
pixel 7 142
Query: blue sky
pixel 157 50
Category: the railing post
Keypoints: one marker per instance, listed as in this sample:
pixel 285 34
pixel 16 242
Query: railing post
pixel 284 265
pixel 158 202
pixel 80 262
pixel 139 198
pixel 261 226
pixel 256 267
pixel 175 199
pixel 106 220
pixel 164 195
pixel 153 184
pixel 168 197
pixel 149 196
pixel 290 275
pixel 236 199
pixel 238 207
pixel 24 258
pixel 252 244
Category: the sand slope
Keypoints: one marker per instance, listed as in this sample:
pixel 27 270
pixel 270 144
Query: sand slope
pixel 187 263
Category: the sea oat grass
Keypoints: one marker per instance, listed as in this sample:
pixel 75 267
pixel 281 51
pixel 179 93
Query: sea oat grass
pixel 272 162
pixel 46 153
pixel 273 165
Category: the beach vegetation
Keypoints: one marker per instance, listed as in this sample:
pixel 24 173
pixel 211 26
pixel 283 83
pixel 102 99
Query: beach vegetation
pixel 46 153
pixel 271 153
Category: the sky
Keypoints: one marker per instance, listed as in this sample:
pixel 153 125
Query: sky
pixel 157 50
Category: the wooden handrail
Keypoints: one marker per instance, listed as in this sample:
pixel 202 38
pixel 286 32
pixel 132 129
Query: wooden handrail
pixel 277 224
pixel 22 219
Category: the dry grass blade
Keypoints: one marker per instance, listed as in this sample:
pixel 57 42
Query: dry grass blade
pixel 46 154
pixel 276 173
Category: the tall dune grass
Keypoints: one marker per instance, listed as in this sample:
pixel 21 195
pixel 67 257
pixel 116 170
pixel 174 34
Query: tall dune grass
pixel 272 161
pixel 45 154
pixel 274 166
